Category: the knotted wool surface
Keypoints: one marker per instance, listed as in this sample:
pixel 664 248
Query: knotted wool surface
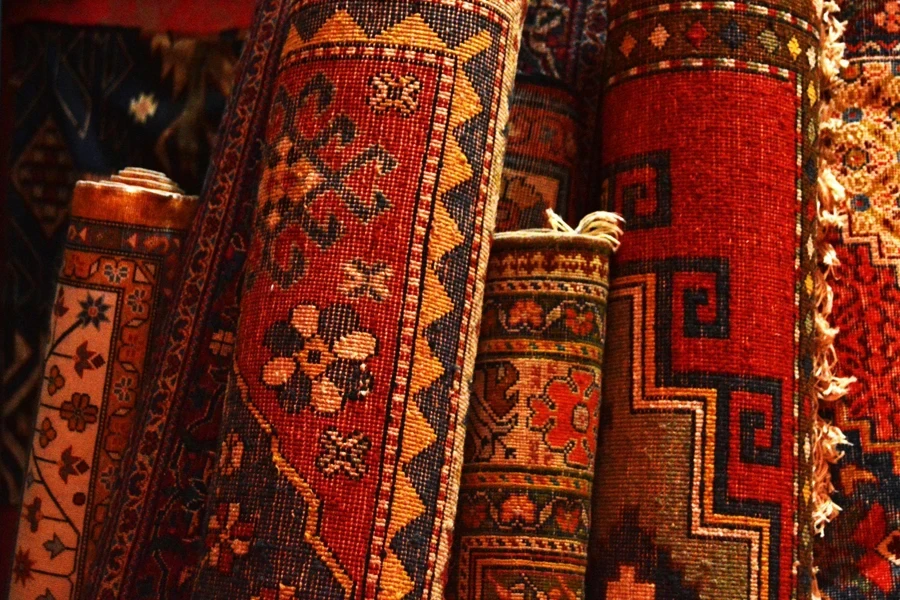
pixel 860 553
pixel 121 261
pixel 366 142
pixel 703 473
pixel 531 437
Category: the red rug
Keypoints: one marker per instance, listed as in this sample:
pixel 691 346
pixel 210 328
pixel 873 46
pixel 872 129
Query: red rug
pixel 341 437
pixel 702 486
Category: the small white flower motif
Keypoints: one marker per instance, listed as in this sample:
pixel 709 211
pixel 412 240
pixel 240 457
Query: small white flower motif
pixel 813 56
pixel 143 107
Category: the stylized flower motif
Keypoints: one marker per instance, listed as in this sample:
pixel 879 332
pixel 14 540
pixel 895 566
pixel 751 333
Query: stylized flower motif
pixel 78 412
pixel 228 536
pixel 47 595
pixel 222 343
pixel 93 311
pixel 86 360
pixel 568 515
pixel 581 321
pixel 319 358
pixel 568 413
pixel 115 274
pixel 123 389
pixel 46 433
pixel 137 301
pixel 70 465
pixel 390 91
pixel 60 308
pixel 366 280
pixel 55 380
pixel 889 18
pixel 343 454
pixel 518 509
pixel 143 107
pixel 525 312
pixel 22 567
pixel 231 454
pixel 32 514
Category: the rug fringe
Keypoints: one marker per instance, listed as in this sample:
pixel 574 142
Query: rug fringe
pixel 828 385
pixel 600 224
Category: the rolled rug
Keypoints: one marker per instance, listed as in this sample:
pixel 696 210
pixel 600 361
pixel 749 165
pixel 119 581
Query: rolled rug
pixel 703 485
pixel 121 259
pixel 531 432
pixel 361 161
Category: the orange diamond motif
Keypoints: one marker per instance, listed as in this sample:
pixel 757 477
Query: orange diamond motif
pixel 628 44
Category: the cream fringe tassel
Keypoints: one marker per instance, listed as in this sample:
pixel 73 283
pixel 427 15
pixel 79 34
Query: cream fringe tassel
pixel 600 224
pixel 829 387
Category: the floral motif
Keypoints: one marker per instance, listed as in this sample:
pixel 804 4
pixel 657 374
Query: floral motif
pixel 390 91
pixel 123 389
pixel 86 360
pixel 143 107
pixel 22 567
pixel 59 307
pixel 228 536
pixel 366 280
pixel 343 454
pixel 568 413
pixel 55 380
pixel 32 514
pixel 526 312
pixel 78 412
pixel 889 18
pixel 568 515
pixel 231 454
pixel 46 433
pixel 70 465
pixel 115 275
pixel 93 311
pixel 581 321
pixel 319 358
pixel 137 301
pixel 519 510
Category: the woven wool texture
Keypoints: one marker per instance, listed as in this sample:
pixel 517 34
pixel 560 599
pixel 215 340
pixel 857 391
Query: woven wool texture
pixel 540 169
pixel 341 440
pixel 119 266
pixel 87 101
pixel 702 487
pixel 859 556
pixel 153 540
pixel 524 512
pixel 552 118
